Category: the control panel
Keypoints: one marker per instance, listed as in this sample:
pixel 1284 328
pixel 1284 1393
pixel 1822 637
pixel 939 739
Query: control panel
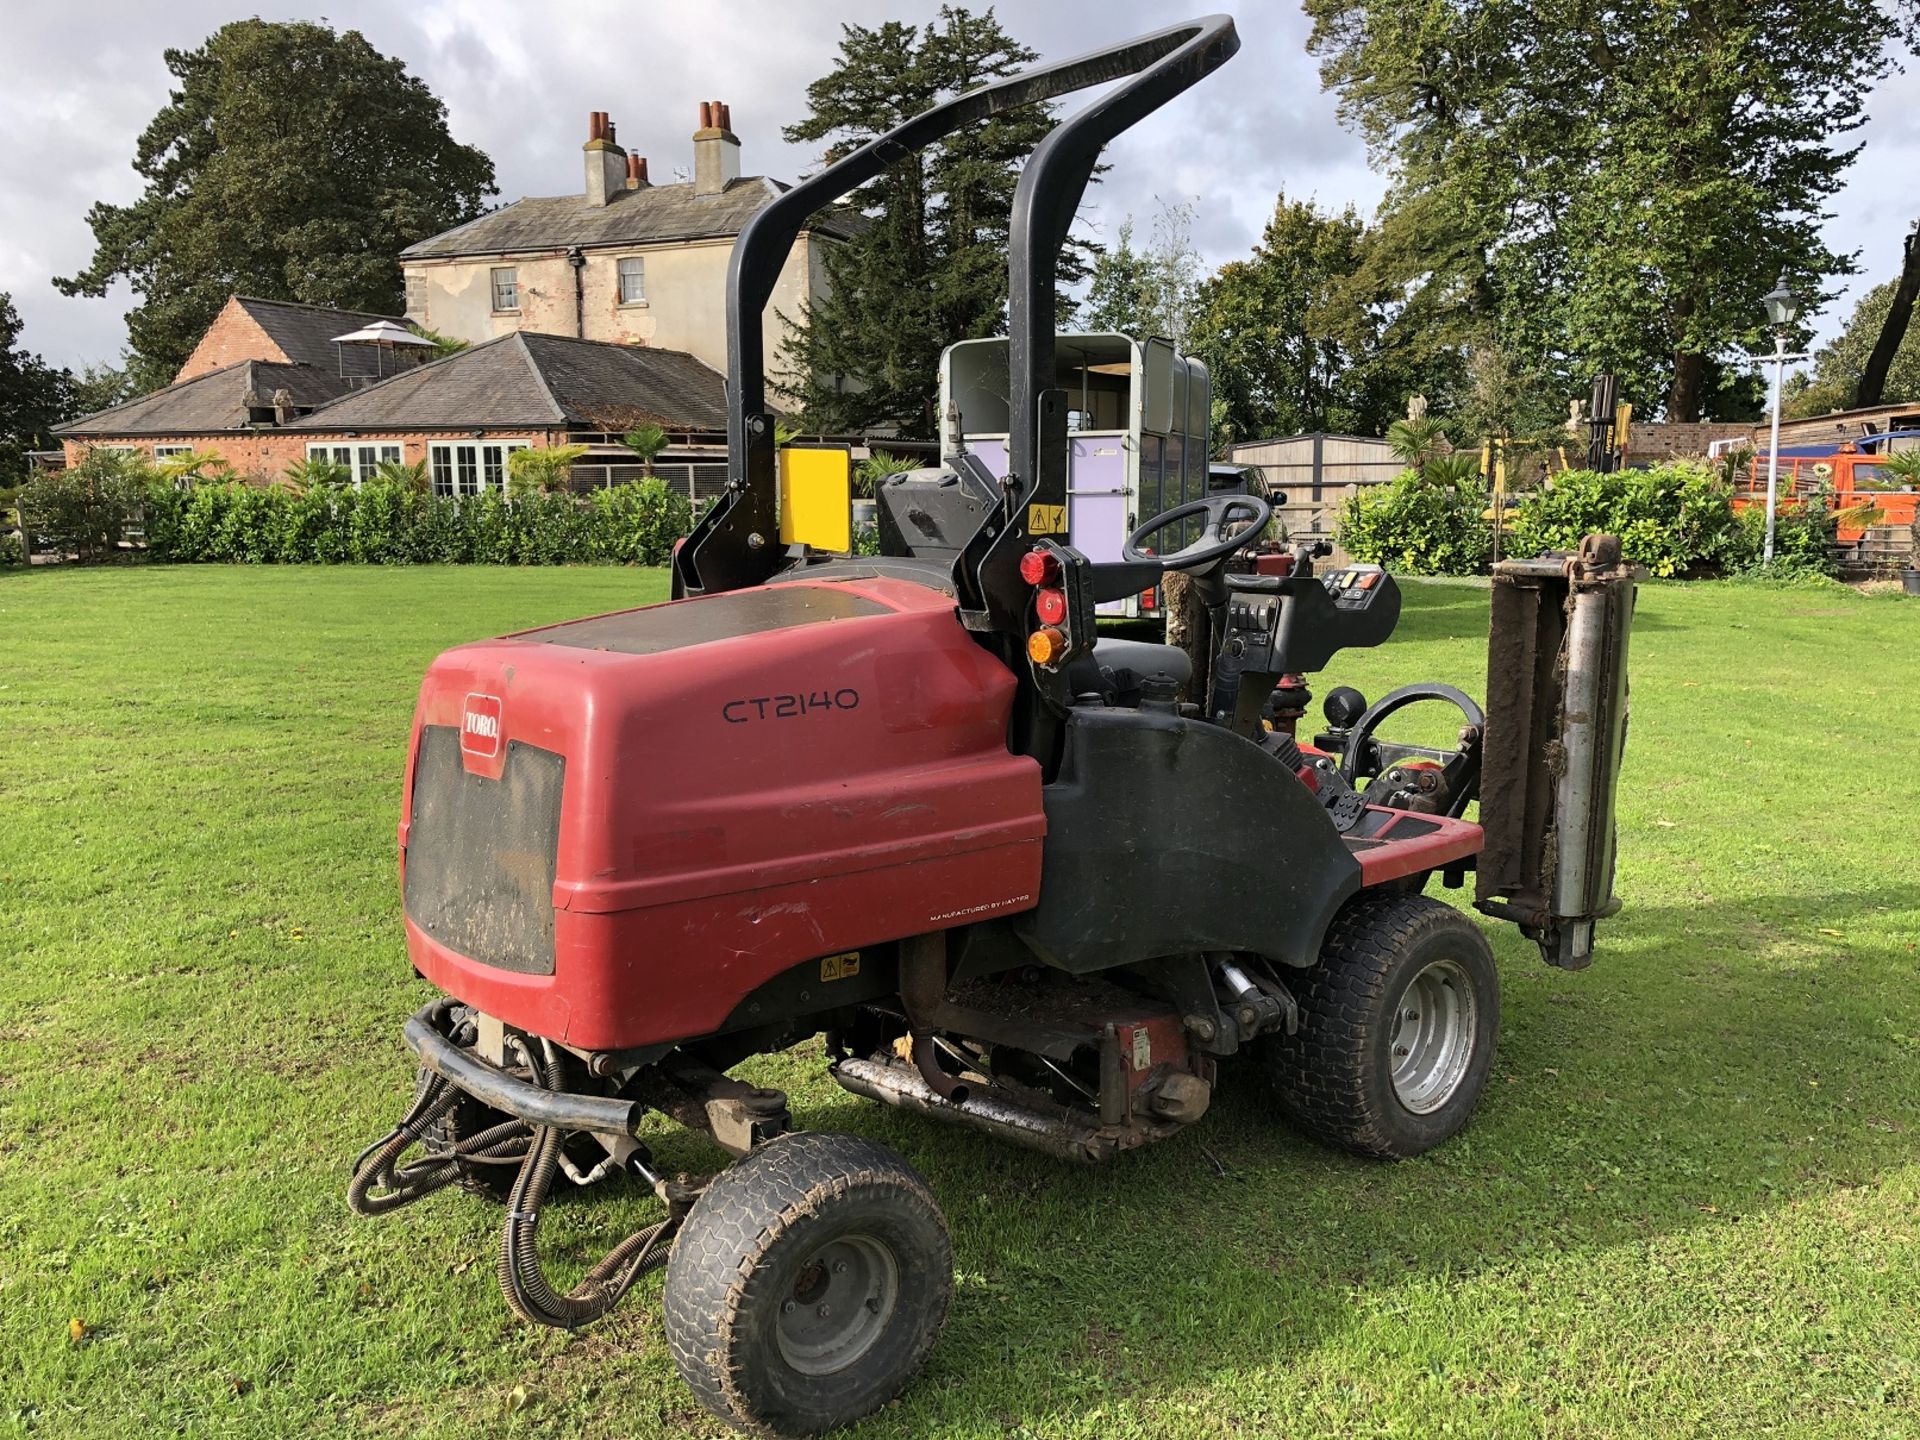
pixel 1286 624
pixel 1357 587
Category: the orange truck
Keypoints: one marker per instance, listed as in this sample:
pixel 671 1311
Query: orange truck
pixel 1859 489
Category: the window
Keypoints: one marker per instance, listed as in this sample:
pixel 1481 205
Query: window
pixel 361 460
pixel 466 467
pixel 506 288
pixel 633 280
pixel 161 452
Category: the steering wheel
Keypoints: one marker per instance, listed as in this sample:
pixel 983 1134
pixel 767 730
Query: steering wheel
pixel 1232 521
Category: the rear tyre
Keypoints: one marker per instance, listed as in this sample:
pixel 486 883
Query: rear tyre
pixel 1397 1028
pixel 807 1284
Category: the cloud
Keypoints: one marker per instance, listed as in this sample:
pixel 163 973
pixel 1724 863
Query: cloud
pixel 518 80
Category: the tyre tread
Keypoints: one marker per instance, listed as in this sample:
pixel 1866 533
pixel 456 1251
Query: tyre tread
pixel 746 1211
pixel 1324 1082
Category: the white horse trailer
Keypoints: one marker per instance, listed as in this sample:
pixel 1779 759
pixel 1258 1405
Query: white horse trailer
pixel 1137 423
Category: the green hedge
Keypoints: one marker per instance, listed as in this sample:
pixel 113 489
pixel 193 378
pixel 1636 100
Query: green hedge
pixel 1675 519
pixel 386 524
pixel 1418 526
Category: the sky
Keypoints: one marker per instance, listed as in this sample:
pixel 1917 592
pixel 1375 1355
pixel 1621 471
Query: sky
pixel 519 78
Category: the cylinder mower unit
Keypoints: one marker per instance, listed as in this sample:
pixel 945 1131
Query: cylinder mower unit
pixel 1022 877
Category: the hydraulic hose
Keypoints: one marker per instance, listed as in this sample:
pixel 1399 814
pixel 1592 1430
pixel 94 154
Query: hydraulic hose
pixel 528 1291
pixel 375 1165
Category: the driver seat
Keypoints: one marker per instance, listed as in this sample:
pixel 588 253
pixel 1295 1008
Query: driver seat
pixel 1116 668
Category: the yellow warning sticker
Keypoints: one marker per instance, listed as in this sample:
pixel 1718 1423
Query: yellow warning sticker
pixel 1046 519
pixel 840 967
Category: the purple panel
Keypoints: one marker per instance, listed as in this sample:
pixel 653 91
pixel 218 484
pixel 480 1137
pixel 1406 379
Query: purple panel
pixel 1097 502
pixel 1097 497
pixel 993 454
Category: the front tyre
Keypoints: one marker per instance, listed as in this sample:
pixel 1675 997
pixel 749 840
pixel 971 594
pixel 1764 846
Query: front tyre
pixel 1397 1028
pixel 807 1284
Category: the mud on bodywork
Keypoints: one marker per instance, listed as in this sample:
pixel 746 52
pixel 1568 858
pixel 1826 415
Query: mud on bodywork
pixel 1556 732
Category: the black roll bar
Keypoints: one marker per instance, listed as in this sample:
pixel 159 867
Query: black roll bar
pixel 737 543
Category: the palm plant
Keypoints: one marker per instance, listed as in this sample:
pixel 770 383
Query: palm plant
pixel 646 441
pixel 402 475
pixel 1901 470
pixel 1455 469
pixel 1415 442
pixel 443 345
pixel 316 472
pixel 879 464
pixel 547 468
pixel 1902 466
pixel 189 466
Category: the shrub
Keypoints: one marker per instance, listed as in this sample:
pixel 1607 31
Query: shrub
pixel 388 522
pixel 637 524
pixel 1673 518
pixel 1803 538
pixel 87 507
pixel 1419 526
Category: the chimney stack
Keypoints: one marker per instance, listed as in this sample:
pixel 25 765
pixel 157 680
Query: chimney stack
pixel 636 172
pixel 606 161
pixel 716 150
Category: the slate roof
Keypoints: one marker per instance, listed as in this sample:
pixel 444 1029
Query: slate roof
pixel 209 403
pixel 305 333
pixel 550 381
pixel 654 214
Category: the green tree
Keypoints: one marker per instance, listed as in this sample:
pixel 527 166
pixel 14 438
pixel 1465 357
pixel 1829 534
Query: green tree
pixel 1606 187
pixel 34 397
pixel 1838 365
pixel 1151 291
pixel 1294 340
pixel 930 266
pixel 101 387
pixel 1872 389
pixel 1117 295
pixel 292 162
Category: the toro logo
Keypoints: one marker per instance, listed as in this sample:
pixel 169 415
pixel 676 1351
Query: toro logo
pixel 480 726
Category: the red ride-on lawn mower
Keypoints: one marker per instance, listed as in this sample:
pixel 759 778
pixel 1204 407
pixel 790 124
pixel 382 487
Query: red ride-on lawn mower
pixel 916 803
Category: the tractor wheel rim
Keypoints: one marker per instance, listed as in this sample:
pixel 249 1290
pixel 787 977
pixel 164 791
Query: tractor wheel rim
pixel 839 1305
pixel 1432 1041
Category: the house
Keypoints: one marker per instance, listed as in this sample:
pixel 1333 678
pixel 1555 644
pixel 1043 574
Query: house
pixel 460 415
pixel 466 413
pixel 279 331
pixel 624 259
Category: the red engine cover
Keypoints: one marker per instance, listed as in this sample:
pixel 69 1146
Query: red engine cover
pixel 751 780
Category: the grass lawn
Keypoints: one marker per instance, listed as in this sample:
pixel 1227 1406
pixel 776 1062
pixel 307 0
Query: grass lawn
pixel 1690 1204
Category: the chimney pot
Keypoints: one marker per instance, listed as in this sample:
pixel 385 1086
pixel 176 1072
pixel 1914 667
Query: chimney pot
pixel 612 137
pixel 640 170
pixel 716 150
pixel 726 116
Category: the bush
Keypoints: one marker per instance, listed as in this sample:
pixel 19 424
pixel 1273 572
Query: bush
pixel 86 508
pixel 390 522
pixel 1419 526
pixel 637 524
pixel 1803 537
pixel 1673 519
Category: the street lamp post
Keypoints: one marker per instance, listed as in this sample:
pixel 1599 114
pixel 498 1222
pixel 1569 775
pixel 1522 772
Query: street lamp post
pixel 1781 309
